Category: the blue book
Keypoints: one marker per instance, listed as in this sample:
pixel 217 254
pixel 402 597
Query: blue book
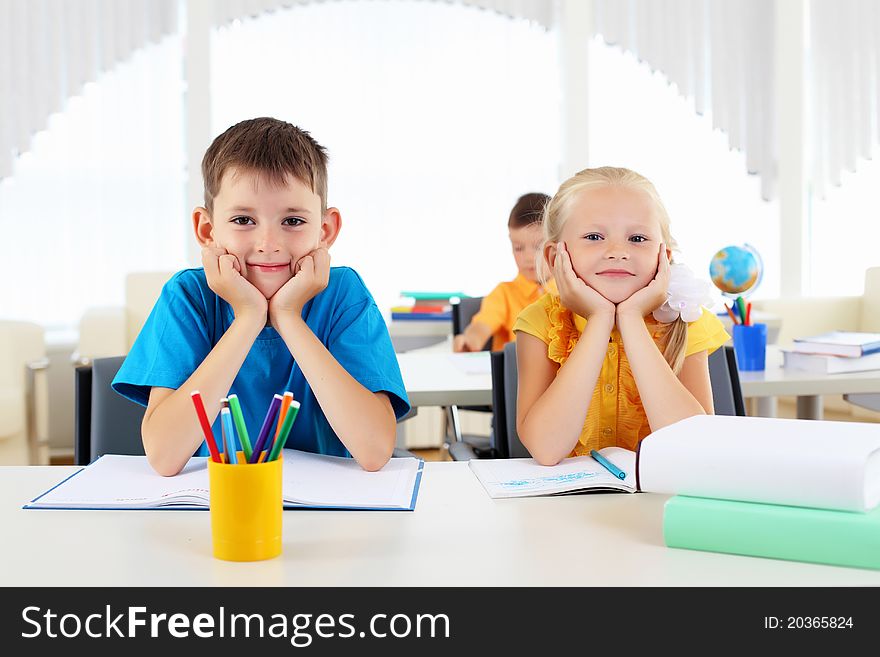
pixel 421 316
pixel 852 344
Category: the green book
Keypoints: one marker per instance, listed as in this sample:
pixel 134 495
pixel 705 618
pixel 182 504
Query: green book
pixel 841 538
pixel 421 296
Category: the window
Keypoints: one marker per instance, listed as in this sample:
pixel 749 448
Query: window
pixel 437 118
pixel 845 232
pixel 100 194
pixel 639 121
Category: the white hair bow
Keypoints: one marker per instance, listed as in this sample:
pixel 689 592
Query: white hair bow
pixel 685 297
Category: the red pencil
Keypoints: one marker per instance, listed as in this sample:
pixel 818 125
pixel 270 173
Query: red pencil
pixel 206 426
pixel 749 314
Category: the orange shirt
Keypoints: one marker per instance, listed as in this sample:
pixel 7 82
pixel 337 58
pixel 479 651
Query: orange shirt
pixel 502 305
pixel 616 416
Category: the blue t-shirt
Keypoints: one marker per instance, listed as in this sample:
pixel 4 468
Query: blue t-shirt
pixel 189 319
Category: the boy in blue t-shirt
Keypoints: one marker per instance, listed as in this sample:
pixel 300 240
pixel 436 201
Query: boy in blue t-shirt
pixel 266 313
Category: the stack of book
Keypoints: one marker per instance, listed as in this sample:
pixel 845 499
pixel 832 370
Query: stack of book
pixel 786 489
pixel 423 306
pixel 835 352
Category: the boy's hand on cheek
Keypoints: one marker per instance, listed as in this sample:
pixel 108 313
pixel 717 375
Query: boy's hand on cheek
pixel 653 295
pixel 311 273
pixel 574 293
pixel 225 277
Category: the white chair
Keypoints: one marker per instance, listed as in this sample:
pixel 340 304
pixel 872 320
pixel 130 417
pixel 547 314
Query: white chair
pixel 110 331
pixel 23 394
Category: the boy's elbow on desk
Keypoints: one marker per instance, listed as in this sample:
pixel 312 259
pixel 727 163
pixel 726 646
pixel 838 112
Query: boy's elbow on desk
pixel 163 466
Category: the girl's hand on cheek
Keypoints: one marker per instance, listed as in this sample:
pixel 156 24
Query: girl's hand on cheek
pixel 226 277
pixel 310 275
pixel 653 295
pixel 574 293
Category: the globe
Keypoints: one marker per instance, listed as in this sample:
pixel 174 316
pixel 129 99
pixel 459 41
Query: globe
pixel 736 270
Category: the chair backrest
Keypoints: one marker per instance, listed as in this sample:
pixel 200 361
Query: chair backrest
pixel 106 422
pixel 504 385
pixel 726 390
pixel 462 314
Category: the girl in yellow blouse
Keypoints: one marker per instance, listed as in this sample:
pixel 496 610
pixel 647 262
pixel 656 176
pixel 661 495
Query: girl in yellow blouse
pixel 625 324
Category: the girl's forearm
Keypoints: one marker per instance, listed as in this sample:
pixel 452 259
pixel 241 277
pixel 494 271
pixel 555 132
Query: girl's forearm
pixel 361 419
pixel 551 428
pixel 171 432
pixel 665 399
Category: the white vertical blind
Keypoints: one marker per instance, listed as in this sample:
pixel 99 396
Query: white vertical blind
pixel 844 70
pixel 718 52
pixel 98 194
pixel 50 48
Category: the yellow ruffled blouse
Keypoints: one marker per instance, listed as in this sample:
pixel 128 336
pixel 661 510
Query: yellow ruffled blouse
pixel 616 416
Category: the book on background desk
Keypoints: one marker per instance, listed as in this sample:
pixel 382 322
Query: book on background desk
pixel 840 538
pixel 309 481
pixel 413 316
pixel 839 343
pixel 828 465
pixel 824 364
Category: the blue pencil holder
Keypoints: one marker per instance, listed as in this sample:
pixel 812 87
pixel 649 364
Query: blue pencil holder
pixel 750 346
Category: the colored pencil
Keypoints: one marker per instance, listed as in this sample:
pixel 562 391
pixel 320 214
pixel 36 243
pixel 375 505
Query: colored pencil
pixel 285 431
pixel 206 426
pixel 265 429
pixel 285 404
pixel 229 433
pixel 240 427
pixel 741 306
pixel 730 312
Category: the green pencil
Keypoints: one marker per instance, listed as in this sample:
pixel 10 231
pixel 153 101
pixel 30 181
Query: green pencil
pixel 289 417
pixel 235 407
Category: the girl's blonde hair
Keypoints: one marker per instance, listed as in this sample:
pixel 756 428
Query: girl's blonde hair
pixel 558 209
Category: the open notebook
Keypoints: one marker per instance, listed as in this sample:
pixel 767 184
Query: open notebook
pixel 309 481
pixel 824 465
pixel 528 478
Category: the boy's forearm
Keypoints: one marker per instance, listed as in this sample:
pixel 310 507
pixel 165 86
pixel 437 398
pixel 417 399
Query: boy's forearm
pixel 172 432
pixel 363 422
pixel 553 425
pixel 665 399
pixel 476 335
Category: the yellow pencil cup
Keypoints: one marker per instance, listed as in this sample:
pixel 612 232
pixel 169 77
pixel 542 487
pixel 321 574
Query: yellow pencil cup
pixel 246 510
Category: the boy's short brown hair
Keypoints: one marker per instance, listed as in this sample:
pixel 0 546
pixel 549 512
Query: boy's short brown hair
pixel 529 209
pixel 269 147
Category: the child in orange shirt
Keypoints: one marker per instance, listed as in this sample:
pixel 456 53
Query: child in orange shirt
pixel 500 307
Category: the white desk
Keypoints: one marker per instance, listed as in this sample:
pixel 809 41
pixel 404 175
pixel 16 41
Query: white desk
pixel 584 540
pixel 432 378
pixel 808 387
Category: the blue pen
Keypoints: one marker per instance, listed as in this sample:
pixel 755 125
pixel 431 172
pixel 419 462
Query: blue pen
pixel 226 417
pixel 608 465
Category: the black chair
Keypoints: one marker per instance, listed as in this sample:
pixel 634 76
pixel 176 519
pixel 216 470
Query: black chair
pixel 105 422
pixel 462 446
pixel 108 423
pixel 726 389
pixel 505 442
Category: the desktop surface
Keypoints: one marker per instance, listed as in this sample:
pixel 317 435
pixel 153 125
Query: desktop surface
pixel 580 540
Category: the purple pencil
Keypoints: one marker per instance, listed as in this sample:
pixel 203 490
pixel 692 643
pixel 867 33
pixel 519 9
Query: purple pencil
pixel 265 429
